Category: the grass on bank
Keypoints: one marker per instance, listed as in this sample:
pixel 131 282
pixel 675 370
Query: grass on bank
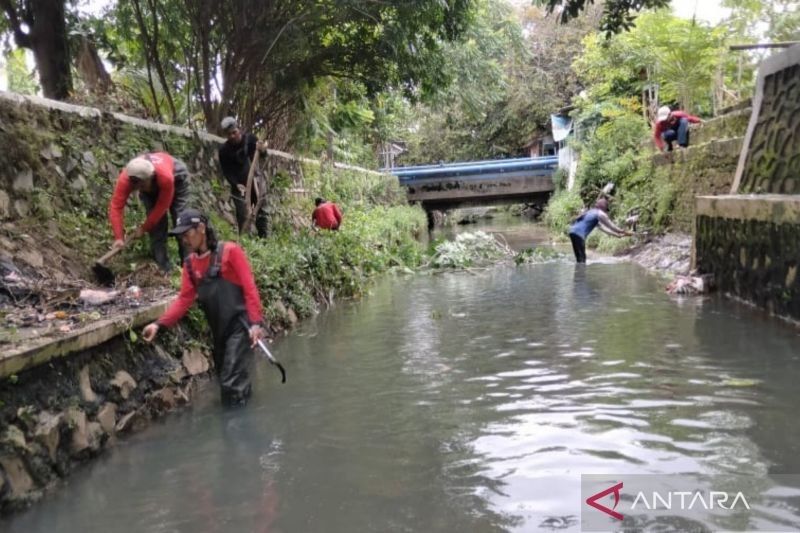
pixel 299 269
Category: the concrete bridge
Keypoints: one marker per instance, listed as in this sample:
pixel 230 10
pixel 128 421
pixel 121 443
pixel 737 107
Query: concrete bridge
pixel 477 183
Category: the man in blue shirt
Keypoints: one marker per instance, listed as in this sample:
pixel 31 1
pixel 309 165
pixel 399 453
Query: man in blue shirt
pixel 584 224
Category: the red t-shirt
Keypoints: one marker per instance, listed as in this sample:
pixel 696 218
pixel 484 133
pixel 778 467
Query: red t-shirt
pixel 664 125
pixel 234 267
pixel 165 178
pixel 327 216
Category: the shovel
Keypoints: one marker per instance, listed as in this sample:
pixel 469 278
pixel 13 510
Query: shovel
pixel 104 275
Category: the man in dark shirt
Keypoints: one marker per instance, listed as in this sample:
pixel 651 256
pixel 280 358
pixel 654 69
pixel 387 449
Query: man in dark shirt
pixel 235 156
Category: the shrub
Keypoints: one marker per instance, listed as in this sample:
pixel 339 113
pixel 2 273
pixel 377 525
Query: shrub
pixel 562 209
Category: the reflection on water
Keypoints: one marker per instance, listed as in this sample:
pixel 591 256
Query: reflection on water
pixel 461 402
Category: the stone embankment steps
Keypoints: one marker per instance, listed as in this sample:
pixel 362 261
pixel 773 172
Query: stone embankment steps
pixel 43 349
pixel 727 126
pixel 707 166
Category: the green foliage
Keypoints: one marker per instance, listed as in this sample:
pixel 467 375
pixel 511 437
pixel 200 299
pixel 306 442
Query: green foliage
pixel 607 244
pixel 768 20
pixel 300 269
pixel 614 153
pixel 353 187
pixel 680 56
pixel 336 116
pixel 265 66
pixel 618 15
pixel 20 79
pixel 610 154
pixel 561 210
pixel 511 71
pixel 560 177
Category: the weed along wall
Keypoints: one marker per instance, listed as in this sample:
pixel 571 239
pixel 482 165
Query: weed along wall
pixel 749 239
pixel 67 395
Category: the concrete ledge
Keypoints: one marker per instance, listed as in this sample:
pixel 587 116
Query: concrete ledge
pixel 43 349
pixel 775 208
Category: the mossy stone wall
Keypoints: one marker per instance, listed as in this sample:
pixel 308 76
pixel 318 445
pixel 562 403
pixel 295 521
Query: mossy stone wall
pixel 772 164
pixel 707 168
pixel 60 162
pixel 755 260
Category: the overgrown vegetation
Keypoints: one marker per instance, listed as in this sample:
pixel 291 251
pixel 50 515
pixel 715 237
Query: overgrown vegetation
pixel 297 269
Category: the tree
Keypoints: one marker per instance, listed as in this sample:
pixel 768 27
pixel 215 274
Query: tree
pixel 260 60
pixel 679 56
pixel 774 20
pixel 40 25
pixel 467 118
pixel 617 14
pixel 272 52
pixel 512 71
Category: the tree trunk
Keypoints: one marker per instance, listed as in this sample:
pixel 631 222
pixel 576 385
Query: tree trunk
pixel 90 67
pixel 48 37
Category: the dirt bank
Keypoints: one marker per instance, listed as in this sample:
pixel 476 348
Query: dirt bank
pixel 668 254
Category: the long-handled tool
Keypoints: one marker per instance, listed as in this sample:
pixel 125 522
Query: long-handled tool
pixel 104 275
pixel 267 353
pixel 248 195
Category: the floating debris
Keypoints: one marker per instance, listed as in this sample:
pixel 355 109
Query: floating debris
pixel 691 285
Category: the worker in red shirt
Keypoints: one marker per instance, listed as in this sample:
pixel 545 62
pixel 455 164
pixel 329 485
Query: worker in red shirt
pixel 163 185
pixel 671 126
pixel 326 215
pixel 218 275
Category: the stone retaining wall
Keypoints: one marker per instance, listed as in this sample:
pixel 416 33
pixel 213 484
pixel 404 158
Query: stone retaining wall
pixel 752 246
pixel 708 168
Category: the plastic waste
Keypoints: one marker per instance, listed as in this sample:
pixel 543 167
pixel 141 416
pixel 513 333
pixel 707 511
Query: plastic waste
pixel 95 297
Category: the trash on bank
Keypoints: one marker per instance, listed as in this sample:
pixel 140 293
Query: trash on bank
pixel 97 297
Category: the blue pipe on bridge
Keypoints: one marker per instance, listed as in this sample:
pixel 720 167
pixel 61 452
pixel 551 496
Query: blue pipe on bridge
pixel 458 164
pixel 493 167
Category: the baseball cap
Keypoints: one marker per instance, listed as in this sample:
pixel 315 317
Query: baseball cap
pixel 187 219
pixel 228 123
pixel 139 168
pixel 663 113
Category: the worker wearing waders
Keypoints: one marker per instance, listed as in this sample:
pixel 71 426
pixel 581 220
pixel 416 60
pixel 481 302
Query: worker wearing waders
pixel 163 185
pixel 218 275
pixel 585 224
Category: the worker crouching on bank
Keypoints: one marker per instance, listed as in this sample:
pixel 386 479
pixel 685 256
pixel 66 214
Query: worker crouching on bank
pixel 218 275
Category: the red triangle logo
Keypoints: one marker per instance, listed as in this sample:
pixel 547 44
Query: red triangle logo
pixel 592 501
